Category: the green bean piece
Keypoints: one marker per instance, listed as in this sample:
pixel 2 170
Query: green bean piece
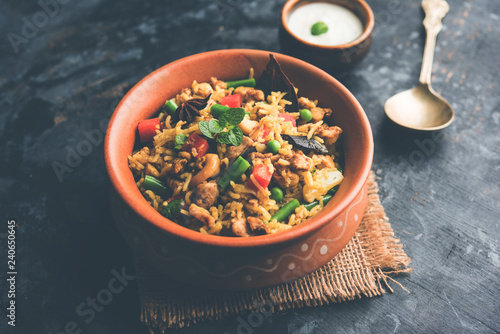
pixel 244 83
pixel 234 172
pixel 333 190
pixel 314 203
pixel 170 107
pixel 217 110
pixel 286 210
pixel 156 186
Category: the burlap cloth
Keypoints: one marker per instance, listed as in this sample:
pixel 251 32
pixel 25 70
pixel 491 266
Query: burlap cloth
pixel 361 269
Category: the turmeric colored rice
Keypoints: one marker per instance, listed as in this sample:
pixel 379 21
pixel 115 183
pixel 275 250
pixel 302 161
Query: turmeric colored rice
pixel 244 207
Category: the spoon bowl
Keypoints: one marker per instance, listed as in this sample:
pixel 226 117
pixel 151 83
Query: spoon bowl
pixel 420 108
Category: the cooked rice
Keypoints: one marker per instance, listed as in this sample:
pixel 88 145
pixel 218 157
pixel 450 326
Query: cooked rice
pixel 238 200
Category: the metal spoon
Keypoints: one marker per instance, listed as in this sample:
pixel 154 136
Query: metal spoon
pixel 422 108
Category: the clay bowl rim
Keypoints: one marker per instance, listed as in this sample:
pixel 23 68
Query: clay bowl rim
pixel 291 4
pixel 148 213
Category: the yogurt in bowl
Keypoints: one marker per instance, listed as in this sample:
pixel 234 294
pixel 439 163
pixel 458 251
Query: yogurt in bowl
pixel 342 25
pixel 334 35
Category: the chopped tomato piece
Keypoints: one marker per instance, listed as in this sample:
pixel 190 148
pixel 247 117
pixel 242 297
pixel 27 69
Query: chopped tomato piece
pixel 288 118
pixel 196 145
pixel 174 198
pixel 147 129
pixel 262 175
pixel 232 101
pixel 265 133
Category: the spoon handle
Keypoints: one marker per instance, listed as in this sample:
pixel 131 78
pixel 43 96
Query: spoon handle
pixel 434 10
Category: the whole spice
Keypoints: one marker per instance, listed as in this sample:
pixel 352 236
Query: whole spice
pixel 274 80
pixel 188 110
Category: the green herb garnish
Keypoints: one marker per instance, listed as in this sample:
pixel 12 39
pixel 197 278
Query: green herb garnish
pixel 215 126
pixel 180 140
pixel 234 116
pixel 223 138
pixel 235 136
pixel 205 129
pixel 319 28
pixel 173 209
pixel 215 129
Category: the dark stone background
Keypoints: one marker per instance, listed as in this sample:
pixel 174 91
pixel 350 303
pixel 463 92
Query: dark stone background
pixel 441 193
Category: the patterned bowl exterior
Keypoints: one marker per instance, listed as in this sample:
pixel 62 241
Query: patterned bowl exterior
pixel 241 268
pixel 227 262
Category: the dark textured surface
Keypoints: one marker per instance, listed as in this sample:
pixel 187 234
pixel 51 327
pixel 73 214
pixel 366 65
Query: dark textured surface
pixel 440 191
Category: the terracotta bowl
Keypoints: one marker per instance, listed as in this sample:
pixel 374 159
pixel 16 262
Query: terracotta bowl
pixel 229 262
pixel 334 59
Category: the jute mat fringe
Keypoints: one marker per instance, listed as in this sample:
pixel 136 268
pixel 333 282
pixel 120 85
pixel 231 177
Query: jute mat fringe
pixel 360 270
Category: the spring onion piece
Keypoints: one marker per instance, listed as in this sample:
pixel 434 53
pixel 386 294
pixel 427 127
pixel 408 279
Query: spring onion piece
pixel 276 194
pixel 286 210
pixel 311 205
pixel 217 110
pixel 234 172
pixel 333 190
pixel 244 83
pixel 170 107
pixel 156 186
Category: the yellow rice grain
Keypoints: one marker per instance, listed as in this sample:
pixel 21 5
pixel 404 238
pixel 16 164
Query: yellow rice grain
pixel 233 195
pixel 187 197
pixel 319 139
pixel 274 226
pixel 186 183
pixel 313 129
pixel 215 229
pixel 214 212
pixel 167 122
pixel 150 194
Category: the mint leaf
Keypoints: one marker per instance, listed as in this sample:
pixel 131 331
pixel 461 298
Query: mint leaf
pixel 234 116
pixel 173 209
pixel 216 126
pixel 223 138
pixel 204 128
pixel 235 136
pixel 180 140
